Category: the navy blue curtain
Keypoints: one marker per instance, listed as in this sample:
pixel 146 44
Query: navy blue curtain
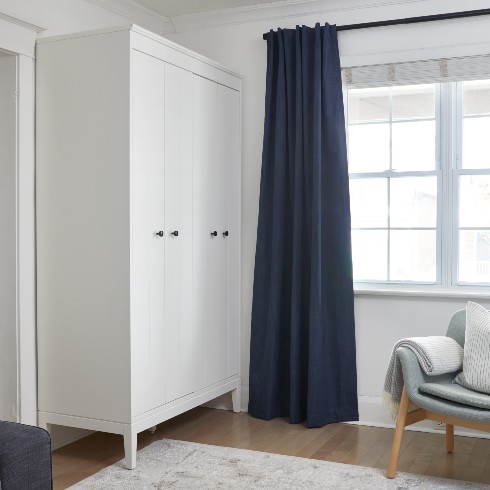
pixel 302 353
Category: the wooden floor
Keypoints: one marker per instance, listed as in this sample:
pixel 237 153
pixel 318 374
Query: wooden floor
pixel 421 453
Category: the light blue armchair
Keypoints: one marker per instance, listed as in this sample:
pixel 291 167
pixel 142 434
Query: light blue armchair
pixel 438 398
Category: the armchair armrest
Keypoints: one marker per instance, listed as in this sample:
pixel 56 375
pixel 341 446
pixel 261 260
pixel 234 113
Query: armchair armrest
pixel 414 376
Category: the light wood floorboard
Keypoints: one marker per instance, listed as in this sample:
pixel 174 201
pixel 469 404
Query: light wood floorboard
pixel 421 453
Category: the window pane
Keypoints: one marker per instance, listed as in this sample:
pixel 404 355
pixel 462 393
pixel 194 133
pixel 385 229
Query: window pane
pixel 369 104
pixel 369 147
pixel 476 97
pixel 413 101
pixel 369 255
pixel 474 256
pixel 414 145
pixel 474 200
pixel 475 142
pixel 413 255
pixel 369 203
pixel 413 202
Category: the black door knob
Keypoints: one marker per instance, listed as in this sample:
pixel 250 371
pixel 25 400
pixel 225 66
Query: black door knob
pixel 214 233
pixel 175 233
pixel 159 233
pixel 225 233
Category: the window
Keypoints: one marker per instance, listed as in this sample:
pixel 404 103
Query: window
pixel 420 183
pixel 473 183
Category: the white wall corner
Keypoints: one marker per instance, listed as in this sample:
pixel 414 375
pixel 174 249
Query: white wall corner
pixel 138 14
pixel 17 36
pixel 21 23
pixel 26 251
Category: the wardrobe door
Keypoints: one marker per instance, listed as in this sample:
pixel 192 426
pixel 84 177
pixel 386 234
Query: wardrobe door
pixel 228 129
pixel 148 219
pixel 183 340
pixel 206 232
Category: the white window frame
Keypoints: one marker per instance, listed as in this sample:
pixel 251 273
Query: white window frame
pixel 448 117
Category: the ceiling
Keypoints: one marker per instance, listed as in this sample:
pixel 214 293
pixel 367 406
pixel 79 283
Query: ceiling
pixel 172 8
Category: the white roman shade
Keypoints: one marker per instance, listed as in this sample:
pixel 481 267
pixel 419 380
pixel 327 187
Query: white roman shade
pixel 415 72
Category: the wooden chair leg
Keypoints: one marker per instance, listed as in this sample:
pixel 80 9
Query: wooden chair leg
pixel 397 439
pixel 449 438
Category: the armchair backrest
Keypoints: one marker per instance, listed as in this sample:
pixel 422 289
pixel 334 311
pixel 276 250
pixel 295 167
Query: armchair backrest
pixel 457 327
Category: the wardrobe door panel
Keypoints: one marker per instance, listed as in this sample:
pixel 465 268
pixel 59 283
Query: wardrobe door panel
pixel 205 222
pixel 148 249
pixel 183 341
pixel 229 214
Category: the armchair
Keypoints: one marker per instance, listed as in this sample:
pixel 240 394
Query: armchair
pixel 25 457
pixel 437 398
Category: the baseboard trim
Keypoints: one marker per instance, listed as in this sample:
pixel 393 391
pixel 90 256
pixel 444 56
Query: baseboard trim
pixel 373 414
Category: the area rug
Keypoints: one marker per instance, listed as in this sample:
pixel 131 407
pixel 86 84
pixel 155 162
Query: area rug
pixel 169 464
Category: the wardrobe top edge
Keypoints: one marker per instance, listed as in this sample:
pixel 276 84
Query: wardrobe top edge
pixel 144 32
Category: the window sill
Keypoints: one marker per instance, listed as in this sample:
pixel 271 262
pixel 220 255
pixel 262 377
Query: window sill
pixel 432 292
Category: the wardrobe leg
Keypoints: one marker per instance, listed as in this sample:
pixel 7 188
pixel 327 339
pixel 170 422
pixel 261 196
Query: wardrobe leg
pixel 236 398
pixel 130 447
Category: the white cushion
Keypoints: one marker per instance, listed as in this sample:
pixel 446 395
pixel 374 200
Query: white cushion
pixel 476 357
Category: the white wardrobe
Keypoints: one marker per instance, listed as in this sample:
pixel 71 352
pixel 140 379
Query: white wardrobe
pixel 138 231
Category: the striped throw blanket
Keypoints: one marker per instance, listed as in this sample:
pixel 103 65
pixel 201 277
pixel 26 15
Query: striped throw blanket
pixel 436 355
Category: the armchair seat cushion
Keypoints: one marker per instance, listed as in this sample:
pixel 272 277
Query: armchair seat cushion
pixel 457 393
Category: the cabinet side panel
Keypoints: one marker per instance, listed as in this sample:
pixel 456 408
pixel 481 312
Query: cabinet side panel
pixel 83 226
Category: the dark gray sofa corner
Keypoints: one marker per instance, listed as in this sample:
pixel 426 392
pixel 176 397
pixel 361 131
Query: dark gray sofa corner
pixel 25 457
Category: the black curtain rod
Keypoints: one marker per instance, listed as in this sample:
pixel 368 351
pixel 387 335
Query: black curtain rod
pixel 411 20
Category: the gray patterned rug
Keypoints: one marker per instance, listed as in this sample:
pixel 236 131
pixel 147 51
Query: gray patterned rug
pixel 169 464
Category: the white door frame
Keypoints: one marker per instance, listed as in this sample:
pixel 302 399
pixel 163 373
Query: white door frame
pixel 19 39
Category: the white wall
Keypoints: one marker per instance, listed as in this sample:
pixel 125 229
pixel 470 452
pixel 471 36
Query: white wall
pixel 61 16
pixel 8 240
pixel 380 320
